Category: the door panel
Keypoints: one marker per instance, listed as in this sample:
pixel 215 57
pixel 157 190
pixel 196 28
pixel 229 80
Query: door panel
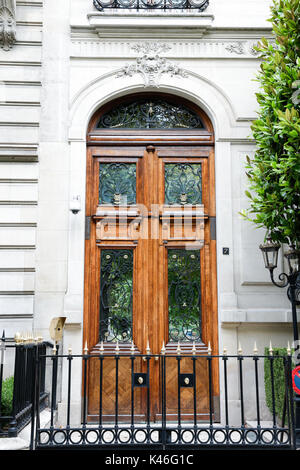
pixel 149 273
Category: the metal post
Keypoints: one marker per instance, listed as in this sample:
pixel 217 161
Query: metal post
pixel 34 397
pixel 2 349
pixel 12 432
pixel 225 359
pixel 292 282
pixel 293 287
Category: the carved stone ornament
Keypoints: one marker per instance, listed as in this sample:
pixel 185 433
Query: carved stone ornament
pixel 151 65
pixel 235 48
pixel 7 24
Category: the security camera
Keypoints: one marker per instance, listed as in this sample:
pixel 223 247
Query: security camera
pixel 75 205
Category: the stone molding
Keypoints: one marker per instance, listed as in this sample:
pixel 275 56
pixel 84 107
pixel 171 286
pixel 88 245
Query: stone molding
pixel 256 316
pixel 242 48
pixel 210 49
pixel 7 24
pixel 145 24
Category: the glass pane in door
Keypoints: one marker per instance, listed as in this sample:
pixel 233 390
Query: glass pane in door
pixel 184 295
pixel 116 283
pixel 183 183
pixel 117 183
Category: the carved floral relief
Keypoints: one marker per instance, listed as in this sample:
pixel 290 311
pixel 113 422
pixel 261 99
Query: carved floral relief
pixel 7 24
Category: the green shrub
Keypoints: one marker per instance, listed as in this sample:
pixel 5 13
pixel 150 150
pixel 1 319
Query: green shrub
pixel 7 396
pixel 274 172
pixel 279 380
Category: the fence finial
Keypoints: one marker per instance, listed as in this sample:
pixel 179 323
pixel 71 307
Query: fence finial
pixel 17 338
pixel 240 350
pixel 101 348
pixel 54 350
pixel 178 349
pixel 163 349
pixel 289 351
pixel 3 335
pixel 70 350
pixel 255 350
pixel 117 350
pixel 224 351
pixel 194 350
pixel 22 338
pixel 132 349
pixel 148 350
pixel 271 349
pixel 85 351
pixel 209 350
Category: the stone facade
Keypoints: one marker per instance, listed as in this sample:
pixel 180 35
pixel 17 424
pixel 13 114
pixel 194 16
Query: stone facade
pixel 66 61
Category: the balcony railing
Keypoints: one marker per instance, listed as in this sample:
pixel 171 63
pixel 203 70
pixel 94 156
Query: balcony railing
pixel 199 5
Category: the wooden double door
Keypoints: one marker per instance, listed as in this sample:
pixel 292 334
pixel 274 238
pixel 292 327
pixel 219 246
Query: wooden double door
pixel 150 269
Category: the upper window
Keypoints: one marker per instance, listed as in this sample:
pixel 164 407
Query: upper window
pixel 150 113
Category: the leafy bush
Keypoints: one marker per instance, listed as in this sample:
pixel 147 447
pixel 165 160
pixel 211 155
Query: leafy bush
pixel 7 396
pixel 279 380
pixel 274 172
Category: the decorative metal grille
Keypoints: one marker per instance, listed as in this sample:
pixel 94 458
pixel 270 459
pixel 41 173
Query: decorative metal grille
pixel 183 183
pixel 184 280
pixel 117 184
pixel 200 5
pixel 150 114
pixel 116 281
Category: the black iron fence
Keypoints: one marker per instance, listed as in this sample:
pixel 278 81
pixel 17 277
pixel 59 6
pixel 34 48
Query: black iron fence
pixel 17 391
pixel 199 5
pixel 169 401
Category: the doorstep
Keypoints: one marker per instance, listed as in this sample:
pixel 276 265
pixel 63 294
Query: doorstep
pixel 22 442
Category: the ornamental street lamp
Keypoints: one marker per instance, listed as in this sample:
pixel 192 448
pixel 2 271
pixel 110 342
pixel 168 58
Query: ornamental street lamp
pixel 292 281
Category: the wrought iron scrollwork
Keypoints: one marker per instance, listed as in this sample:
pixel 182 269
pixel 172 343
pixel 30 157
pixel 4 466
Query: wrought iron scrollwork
pixel 150 114
pixel 183 183
pixel 199 5
pixel 184 280
pixel 117 183
pixel 116 282
pixel 297 291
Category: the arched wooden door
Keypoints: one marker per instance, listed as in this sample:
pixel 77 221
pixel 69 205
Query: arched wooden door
pixel 150 263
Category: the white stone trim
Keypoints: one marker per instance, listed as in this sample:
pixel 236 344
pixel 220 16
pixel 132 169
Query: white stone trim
pixel 183 49
pixel 150 23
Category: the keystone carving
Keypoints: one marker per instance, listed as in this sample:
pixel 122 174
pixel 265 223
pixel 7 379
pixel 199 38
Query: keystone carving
pixel 151 65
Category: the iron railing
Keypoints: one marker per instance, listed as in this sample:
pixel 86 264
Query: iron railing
pixel 199 5
pixel 118 412
pixel 23 358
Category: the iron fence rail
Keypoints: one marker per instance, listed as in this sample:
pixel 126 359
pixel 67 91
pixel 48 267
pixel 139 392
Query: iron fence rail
pixel 194 429
pixel 23 374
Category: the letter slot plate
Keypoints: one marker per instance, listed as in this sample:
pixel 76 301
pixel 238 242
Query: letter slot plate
pixel 186 380
pixel 140 380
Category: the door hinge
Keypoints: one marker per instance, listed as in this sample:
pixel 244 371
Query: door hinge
pixel 87 227
pixel 213 228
